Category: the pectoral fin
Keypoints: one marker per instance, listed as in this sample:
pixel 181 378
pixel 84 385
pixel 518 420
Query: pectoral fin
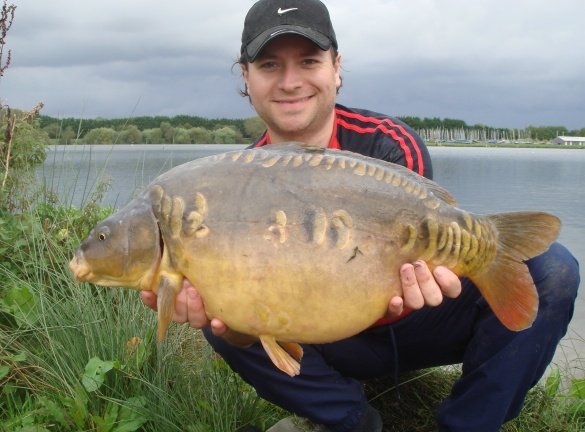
pixel 168 288
pixel 280 357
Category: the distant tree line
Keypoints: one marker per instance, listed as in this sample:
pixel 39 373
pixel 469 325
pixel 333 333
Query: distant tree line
pixel 546 133
pixel 458 129
pixel 184 129
pixel 181 129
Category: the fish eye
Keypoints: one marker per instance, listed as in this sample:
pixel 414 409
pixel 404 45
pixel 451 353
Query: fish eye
pixel 103 233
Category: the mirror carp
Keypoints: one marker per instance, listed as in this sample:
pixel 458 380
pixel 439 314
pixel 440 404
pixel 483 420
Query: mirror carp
pixel 298 244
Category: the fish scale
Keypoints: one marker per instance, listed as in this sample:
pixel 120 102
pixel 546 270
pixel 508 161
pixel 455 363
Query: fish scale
pixel 294 244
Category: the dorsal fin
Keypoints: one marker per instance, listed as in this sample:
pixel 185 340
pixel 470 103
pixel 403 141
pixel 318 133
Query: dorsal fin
pixel 439 191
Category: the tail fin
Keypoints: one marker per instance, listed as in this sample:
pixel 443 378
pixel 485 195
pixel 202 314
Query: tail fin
pixel 506 284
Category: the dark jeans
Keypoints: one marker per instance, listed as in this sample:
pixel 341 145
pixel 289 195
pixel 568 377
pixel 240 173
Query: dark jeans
pixel 499 366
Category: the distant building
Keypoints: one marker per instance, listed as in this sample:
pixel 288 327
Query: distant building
pixel 569 141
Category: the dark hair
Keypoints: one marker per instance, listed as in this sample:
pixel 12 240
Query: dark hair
pixel 242 62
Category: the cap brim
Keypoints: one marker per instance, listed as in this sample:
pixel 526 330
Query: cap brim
pixel 260 41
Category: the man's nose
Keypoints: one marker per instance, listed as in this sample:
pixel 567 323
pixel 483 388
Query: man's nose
pixel 291 78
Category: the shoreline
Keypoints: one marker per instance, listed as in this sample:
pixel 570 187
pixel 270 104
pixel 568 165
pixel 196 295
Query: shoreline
pixel 428 143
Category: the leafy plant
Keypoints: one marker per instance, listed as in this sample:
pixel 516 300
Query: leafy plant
pixel 22 148
pixel 6 18
pixel 572 401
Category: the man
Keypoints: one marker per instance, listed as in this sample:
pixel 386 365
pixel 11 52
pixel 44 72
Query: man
pixel 291 71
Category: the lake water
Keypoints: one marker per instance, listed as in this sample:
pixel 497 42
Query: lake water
pixel 482 180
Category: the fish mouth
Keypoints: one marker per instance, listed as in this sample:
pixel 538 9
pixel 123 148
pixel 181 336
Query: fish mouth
pixel 80 269
pixel 82 272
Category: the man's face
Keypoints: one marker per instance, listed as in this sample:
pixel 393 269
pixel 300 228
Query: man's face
pixel 292 85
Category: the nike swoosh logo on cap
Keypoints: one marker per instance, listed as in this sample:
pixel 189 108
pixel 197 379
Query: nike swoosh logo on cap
pixel 281 11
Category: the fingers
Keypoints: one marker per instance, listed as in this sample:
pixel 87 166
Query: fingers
pixel 181 314
pixel 189 308
pixel 430 289
pixel 411 292
pixel 395 307
pixel 218 327
pixel 422 287
pixel 448 281
pixel 149 299
pixel 196 316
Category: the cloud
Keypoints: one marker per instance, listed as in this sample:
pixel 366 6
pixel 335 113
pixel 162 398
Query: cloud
pixel 501 63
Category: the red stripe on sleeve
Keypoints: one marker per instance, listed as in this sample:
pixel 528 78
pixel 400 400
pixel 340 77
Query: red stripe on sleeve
pixel 415 146
pixel 392 132
pixel 265 140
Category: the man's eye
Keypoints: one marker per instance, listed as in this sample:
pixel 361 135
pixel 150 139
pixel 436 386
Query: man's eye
pixel 268 65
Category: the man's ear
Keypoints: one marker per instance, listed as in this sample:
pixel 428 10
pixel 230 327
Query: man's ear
pixel 244 69
pixel 337 67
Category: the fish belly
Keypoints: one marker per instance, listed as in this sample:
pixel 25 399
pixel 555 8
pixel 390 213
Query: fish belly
pixel 295 295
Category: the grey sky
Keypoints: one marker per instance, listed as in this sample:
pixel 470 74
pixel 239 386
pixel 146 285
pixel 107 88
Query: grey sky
pixel 504 63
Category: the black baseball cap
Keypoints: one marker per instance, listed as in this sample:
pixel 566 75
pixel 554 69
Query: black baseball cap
pixel 268 19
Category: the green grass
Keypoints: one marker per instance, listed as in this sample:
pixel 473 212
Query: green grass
pixel 411 405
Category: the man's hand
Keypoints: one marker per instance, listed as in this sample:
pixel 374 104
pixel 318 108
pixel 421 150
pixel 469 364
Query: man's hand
pixel 420 287
pixel 189 308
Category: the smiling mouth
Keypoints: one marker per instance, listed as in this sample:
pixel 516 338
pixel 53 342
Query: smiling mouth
pixel 293 101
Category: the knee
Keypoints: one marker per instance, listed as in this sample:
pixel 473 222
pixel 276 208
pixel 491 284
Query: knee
pixel 556 275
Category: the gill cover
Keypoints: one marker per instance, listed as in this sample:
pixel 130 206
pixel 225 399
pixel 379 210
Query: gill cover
pixel 124 248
